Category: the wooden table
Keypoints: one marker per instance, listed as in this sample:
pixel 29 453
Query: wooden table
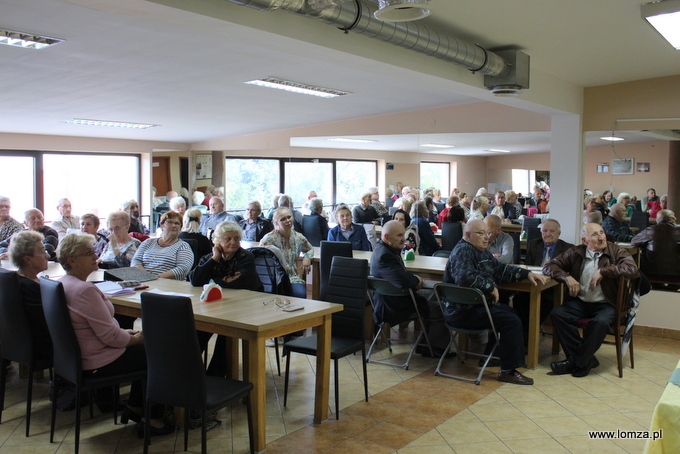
pixel 666 422
pixel 241 315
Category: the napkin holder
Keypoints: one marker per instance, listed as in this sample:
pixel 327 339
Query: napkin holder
pixel 211 292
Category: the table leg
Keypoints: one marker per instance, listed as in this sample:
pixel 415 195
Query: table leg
pixel 316 280
pixel 558 299
pixel 232 358
pixel 323 370
pixel 534 325
pixel 254 371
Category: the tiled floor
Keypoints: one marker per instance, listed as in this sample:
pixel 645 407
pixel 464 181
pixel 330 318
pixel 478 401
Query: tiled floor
pixel 408 411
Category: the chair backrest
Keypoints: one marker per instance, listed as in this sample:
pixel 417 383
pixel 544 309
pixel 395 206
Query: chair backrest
pixel 330 249
pixel 639 219
pixel 16 334
pixel 391 210
pixel 68 362
pixel 386 288
pixel 442 253
pixel 272 274
pixel 516 251
pixel 175 371
pixel 311 229
pixel 624 297
pixel 451 296
pixel 533 233
pixel 528 223
pixel 452 233
pixel 194 248
pixel 347 286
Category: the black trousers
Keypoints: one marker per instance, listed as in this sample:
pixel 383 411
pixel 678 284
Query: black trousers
pixel 134 358
pixel 218 362
pixel 564 319
pixel 508 326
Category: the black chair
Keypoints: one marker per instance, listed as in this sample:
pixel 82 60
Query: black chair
pixel 348 285
pixel 311 229
pixel 16 339
pixel 449 294
pixel 442 253
pixel 516 250
pixel 528 223
pixel 385 288
pixel 330 249
pixel 639 219
pixel 533 233
pixel 176 375
pixel 68 363
pixel 452 233
pixel 391 210
pixel 194 248
pixel 274 279
pixel 440 206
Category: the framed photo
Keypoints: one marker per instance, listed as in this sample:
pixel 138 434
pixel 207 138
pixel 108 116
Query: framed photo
pixel 643 167
pixel 203 166
pixel 602 167
pixel 622 166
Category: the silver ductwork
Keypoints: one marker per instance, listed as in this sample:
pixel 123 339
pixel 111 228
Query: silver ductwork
pixel 357 16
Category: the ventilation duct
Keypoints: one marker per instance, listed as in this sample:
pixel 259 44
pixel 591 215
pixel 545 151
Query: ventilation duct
pixel 358 16
pixel 401 10
pixel 515 79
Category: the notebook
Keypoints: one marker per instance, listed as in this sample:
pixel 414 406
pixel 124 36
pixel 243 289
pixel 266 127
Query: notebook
pixel 131 273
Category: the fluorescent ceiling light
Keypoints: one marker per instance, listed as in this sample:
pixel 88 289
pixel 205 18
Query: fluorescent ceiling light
pixel 296 87
pixel 116 124
pixel 496 150
pixel 342 139
pixel 437 145
pixel 26 40
pixel 664 16
pixel 612 138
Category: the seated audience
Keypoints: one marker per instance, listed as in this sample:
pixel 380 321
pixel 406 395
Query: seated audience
pixel 34 220
pixel 286 201
pixel 255 227
pixel 650 197
pixel 167 256
pixel 316 213
pixel 609 198
pixel 8 225
pixel 383 212
pixel 427 241
pixel 616 225
pixel 345 230
pixel 364 213
pixel 594 217
pixel 511 198
pixel 28 254
pixel 601 205
pixel 659 243
pixel 590 272
pixel 624 199
pixel 305 206
pixel 411 235
pixel 190 231
pixel 165 206
pixel 456 214
pixel 538 201
pixel 178 205
pixel 390 197
pixel 197 198
pixel 292 244
pixel 501 245
pixel 590 207
pixel 452 201
pixel 465 203
pixel 656 206
pixel 480 206
pixel 431 209
pixel 403 204
pixel 502 208
pixel 216 215
pixel 89 223
pixel 405 190
pixel 274 206
pixel 472 265
pixel 131 207
pixel 121 247
pixel 65 220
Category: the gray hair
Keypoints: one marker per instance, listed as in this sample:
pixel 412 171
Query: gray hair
pixel 4 199
pixel 623 195
pixel 340 208
pixel 70 245
pixel 665 216
pixel 125 205
pixel 192 221
pixel 198 197
pixel 419 209
pixel 617 207
pixel 177 202
pixel 559 227
pixel 224 228
pixel 373 189
pixel 315 205
pixel 365 194
pixel 93 217
pixel 257 205
pixel 118 216
pixel 23 244
pixel 285 201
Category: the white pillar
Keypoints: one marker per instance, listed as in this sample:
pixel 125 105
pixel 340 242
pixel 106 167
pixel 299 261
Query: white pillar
pixel 567 175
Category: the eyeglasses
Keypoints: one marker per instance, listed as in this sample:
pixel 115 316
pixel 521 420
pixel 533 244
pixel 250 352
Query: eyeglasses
pixel 484 233
pixel 89 253
pixel 278 301
pixel 172 223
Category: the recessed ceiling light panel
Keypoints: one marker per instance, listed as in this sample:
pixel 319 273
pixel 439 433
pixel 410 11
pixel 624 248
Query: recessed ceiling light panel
pixel 437 145
pixel 664 16
pixel 612 138
pixel 115 124
pixel 26 40
pixel 342 139
pixel 496 150
pixel 296 87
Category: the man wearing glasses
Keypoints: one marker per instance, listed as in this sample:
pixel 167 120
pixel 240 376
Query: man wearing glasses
pixel 471 265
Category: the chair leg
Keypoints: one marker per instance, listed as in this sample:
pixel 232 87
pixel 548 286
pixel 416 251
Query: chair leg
pixel 250 424
pixel 630 348
pixel 116 398
pixel 186 428
pixel 204 439
pixel 53 419
pixel 91 399
pixel 147 427
pixel 29 398
pixel 78 410
pixel 278 359
pixel 3 382
pixel 285 380
pixel 619 353
pixel 375 339
pixel 337 394
pixel 363 361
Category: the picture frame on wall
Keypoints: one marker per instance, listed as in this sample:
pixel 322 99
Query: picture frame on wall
pixel 602 167
pixel 623 166
pixel 643 167
pixel 203 166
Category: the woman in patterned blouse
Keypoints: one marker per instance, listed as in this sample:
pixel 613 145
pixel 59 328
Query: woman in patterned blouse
pixel 292 244
pixel 8 225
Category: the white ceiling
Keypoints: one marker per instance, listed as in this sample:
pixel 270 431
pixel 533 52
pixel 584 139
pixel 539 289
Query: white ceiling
pixel 138 61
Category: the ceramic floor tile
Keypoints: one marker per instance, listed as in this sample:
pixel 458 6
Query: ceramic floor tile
pixel 542 446
pixel 416 420
pixel 348 425
pixel 439 449
pixel 357 446
pixel 481 448
pixel 583 444
pixel 473 432
pixel 496 412
pixel 312 439
pixel 391 435
pixel 563 425
pixel 398 397
pixel 516 429
pixel 441 407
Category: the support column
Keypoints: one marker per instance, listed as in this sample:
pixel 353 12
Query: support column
pixel 566 175
pixel 673 172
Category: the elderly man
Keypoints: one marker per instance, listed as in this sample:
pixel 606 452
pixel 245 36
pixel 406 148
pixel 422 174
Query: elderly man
pixel 165 206
pixel 8 225
pixel 364 213
pixel 34 220
pixel 660 255
pixel 178 205
pixel 615 224
pixel 254 226
pixel 65 220
pixel 305 206
pixel 216 215
pixel 501 208
pixel 406 190
pixel 386 263
pixel 590 271
pixel 501 245
pixel 472 265
pixel 131 207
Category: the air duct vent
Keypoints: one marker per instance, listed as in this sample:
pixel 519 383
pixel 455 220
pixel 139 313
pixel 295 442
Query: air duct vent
pixel 514 79
pixel 401 10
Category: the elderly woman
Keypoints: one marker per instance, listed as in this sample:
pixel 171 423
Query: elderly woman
pixel 8 225
pixel 105 347
pixel 121 247
pixel 89 223
pixel 168 256
pixel 191 231
pixel 28 254
pixel 292 244
pixel 178 205
pixel 316 211
pixel 590 206
pixel 609 198
pixel 480 205
pixel 624 199
pixel 428 243
pixel 511 197
pixel 655 205
pixel 348 231
pixel 410 234
pixel 456 214
pixel 274 206
pixel 255 227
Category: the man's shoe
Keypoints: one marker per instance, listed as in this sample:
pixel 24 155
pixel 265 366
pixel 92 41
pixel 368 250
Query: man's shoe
pixel 515 378
pixel 493 362
pixel 583 371
pixel 563 367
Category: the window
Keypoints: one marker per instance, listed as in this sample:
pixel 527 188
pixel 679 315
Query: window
pixel 302 177
pixel 354 178
pixel 435 175
pixel 250 179
pixel 94 183
pixel 17 183
pixel 522 181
